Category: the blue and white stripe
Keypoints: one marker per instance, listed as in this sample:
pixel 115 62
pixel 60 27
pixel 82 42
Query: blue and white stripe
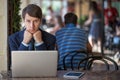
pixel 70 39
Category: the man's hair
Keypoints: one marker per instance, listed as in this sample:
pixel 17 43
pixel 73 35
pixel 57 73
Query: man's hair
pixel 70 18
pixel 33 10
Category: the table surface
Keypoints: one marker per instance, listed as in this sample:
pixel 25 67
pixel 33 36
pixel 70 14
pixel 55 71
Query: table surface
pixel 89 75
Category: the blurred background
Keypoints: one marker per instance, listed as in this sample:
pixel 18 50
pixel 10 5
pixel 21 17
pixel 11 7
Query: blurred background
pixel 53 13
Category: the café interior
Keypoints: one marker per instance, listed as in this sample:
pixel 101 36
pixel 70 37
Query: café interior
pixel 104 62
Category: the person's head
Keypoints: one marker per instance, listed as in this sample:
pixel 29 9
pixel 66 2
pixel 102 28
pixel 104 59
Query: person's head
pixel 93 6
pixel 50 8
pixel 32 16
pixel 109 3
pixel 70 18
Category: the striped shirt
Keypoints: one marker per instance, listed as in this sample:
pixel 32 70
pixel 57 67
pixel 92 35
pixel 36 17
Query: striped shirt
pixel 70 39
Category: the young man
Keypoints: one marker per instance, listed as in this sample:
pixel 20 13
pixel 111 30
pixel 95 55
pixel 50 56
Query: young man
pixel 70 39
pixel 110 14
pixel 32 16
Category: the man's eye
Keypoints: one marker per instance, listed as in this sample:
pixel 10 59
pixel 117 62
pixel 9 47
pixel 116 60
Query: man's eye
pixel 36 21
pixel 28 21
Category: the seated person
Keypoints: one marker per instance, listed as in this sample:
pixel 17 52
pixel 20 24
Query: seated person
pixel 116 43
pixel 32 16
pixel 116 38
pixel 31 38
pixel 70 39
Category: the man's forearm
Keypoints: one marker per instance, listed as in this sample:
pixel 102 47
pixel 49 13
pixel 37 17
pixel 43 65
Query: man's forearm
pixel 41 47
pixel 23 47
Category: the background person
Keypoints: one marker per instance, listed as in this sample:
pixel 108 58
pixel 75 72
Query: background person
pixel 96 29
pixel 111 15
pixel 69 40
pixel 58 24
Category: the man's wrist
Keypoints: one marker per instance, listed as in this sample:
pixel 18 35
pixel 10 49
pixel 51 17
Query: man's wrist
pixel 38 43
pixel 25 44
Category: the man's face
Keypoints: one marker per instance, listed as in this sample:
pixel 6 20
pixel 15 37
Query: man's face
pixel 32 24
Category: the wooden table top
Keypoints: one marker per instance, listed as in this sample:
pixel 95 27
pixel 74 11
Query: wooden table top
pixel 89 75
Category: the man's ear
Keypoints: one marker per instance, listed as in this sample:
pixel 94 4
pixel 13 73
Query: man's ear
pixel 41 20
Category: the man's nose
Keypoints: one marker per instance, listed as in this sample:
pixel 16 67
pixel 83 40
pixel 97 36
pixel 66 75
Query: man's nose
pixel 32 25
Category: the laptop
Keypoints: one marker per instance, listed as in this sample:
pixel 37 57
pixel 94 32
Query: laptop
pixel 34 63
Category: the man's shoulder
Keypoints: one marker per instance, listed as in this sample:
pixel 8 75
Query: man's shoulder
pixel 110 9
pixel 47 35
pixel 60 31
pixel 114 8
pixel 16 34
pixel 71 29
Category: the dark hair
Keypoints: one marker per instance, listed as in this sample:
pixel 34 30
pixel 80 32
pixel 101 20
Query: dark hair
pixel 93 6
pixel 33 10
pixel 109 1
pixel 70 18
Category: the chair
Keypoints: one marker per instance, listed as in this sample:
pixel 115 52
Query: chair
pixel 89 60
pixel 93 56
pixel 72 59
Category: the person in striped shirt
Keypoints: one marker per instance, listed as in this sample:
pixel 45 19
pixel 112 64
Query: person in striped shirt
pixel 70 39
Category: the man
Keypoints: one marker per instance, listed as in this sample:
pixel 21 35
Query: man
pixel 110 14
pixel 40 40
pixel 70 39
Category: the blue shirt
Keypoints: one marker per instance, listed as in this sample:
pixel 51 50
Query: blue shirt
pixel 70 39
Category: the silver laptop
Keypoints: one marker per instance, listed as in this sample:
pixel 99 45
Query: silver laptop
pixel 34 63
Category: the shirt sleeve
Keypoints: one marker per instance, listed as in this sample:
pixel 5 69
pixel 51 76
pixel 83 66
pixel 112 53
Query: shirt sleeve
pixel 38 44
pixel 25 44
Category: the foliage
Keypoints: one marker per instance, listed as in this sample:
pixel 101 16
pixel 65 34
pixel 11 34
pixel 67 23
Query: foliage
pixel 16 18
pixel 82 19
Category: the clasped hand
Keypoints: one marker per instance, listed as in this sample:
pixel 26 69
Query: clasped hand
pixel 37 36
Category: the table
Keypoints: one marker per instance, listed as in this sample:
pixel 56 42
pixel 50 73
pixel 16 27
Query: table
pixel 89 75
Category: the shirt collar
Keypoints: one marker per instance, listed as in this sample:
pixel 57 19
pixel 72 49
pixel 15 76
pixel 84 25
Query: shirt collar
pixel 70 25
